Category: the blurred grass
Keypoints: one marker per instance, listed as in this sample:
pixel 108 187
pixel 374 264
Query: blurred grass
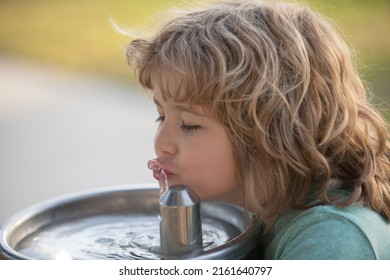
pixel 73 33
pixel 77 33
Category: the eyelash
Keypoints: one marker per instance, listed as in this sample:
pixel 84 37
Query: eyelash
pixel 189 128
pixel 160 119
pixel 184 127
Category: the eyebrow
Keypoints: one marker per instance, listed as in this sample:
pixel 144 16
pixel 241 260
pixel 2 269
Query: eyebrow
pixel 178 107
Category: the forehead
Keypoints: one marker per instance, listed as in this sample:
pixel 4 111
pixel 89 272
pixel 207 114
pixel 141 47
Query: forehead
pixel 197 110
pixel 178 87
pixel 180 96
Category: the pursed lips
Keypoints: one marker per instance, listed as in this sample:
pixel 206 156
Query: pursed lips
pixel 168 172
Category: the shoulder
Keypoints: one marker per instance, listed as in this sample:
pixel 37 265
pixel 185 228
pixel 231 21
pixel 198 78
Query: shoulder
pixel 328 232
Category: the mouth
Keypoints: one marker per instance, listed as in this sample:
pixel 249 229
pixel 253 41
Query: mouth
pixel 172 178
pixel 169 173
pixel 160 172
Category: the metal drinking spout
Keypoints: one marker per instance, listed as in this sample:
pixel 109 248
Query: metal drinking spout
pixel 181 225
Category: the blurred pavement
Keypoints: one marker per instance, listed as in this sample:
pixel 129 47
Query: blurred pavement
pixel 62 132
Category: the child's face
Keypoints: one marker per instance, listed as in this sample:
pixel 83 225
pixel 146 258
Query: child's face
pixel 195 150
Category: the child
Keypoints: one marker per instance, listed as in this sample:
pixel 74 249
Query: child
pixel 260 105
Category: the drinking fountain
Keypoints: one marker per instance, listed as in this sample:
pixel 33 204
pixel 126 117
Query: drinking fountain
pixel 181 223
pixel 129 222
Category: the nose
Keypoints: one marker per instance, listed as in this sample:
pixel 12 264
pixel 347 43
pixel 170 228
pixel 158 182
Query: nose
pixel 165 141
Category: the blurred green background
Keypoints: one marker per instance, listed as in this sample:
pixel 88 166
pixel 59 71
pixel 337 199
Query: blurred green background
pixel 77 33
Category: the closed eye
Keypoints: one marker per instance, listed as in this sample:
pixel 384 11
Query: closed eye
pixel 160 118
pixel 185 127
pixel 189 128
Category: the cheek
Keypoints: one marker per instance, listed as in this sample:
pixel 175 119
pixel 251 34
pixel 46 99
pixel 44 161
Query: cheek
pixel 214 171
pixel 215 182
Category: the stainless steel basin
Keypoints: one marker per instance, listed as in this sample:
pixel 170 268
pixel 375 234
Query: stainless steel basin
pixel 119 222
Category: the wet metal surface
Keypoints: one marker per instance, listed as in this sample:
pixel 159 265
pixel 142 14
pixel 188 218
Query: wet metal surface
pixel 120 222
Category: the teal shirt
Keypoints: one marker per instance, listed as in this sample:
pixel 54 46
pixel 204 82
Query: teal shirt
pixel 330 233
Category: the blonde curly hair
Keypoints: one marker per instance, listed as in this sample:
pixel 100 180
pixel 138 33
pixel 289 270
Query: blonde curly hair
pixel 284 84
